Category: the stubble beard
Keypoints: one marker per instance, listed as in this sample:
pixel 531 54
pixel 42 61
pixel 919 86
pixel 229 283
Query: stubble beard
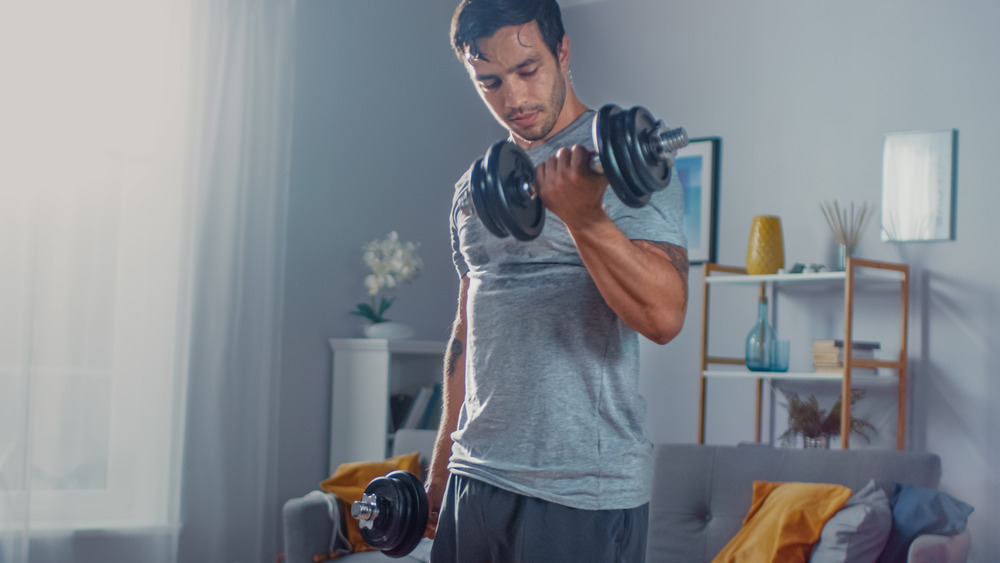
pixel 557 99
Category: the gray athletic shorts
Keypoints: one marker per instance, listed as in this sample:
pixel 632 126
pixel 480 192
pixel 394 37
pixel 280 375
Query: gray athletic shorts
pixel 481 523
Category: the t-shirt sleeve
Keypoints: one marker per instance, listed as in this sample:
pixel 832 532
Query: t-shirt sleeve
pixel 461 187
pixel 661 220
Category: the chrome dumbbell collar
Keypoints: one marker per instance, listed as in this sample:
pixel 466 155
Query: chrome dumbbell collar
pixel 365 510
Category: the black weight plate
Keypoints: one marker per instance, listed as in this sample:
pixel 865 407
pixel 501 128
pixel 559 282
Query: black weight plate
pixel 387 527
pixel 478 186
pixel 633 193
pixel 416 516
pixel 602 133
pixel 521 214
pixel 643 133
pixel 403 514
pixel 493 194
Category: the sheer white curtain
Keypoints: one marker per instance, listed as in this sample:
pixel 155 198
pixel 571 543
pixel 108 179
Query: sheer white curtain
pixel 143 177
pixel 230 509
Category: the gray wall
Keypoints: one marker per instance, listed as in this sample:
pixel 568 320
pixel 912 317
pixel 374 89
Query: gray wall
pixel 802 94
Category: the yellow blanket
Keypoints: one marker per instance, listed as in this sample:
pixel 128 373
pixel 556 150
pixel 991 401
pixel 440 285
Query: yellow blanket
pixel 784 522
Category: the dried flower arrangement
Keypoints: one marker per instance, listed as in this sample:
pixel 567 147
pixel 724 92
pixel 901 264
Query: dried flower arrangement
pixel 846 225
pixel 806 418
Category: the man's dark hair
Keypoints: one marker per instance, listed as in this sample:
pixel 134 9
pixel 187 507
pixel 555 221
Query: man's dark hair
pixel 479 19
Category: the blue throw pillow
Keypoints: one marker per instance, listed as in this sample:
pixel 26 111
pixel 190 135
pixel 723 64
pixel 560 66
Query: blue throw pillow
pixel 917 511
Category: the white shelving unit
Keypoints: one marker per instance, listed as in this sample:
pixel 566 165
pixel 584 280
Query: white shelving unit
pixel 857 273
pixel 366 372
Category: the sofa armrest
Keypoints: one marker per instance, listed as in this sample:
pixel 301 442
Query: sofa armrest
pixel 930 548
pixel 312 527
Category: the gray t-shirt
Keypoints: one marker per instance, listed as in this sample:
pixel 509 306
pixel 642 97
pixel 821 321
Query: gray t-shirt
pixel 552 406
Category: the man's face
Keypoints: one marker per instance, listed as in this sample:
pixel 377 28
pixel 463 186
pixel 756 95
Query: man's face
pixel 521 81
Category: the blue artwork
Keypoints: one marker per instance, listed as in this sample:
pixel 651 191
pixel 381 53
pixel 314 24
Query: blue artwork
pixel 689 172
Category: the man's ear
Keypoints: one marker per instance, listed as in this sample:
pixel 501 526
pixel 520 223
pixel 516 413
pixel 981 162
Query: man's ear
pixel 563 57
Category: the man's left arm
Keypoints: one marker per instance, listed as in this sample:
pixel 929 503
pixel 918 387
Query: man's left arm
pixel 644 282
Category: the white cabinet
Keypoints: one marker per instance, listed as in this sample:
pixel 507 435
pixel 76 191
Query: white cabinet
pixel 366 373
pixel 858 274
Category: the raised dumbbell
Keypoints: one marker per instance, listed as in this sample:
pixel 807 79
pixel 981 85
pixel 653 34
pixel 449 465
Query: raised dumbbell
pixel 633 152
pixel 392 513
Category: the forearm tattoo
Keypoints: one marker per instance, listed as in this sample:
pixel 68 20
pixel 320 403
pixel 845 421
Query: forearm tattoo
pixel 454 353
pixel 679 258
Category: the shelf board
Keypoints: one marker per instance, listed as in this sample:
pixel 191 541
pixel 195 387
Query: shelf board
pixel 394 346
pixel 800 375
pixel 866 275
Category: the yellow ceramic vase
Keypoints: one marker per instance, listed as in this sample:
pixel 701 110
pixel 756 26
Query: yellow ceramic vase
pixel 766 249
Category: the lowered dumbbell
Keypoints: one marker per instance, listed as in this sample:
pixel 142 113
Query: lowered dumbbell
pixel 633 152
pixel 392 513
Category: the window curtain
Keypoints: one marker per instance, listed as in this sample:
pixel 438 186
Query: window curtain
pixel 230 511
pixel 144 148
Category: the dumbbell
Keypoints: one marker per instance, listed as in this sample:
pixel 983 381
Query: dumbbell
pixel 392 513
pixel 632 152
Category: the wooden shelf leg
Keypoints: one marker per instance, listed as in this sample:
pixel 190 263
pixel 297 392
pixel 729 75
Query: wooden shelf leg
pixel 701 412
pixel 903 373
pixel 760 404
pixel 845 391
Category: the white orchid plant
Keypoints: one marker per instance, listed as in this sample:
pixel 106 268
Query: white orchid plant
pixel 393 263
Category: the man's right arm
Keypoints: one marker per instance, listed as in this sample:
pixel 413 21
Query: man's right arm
pixel 453 389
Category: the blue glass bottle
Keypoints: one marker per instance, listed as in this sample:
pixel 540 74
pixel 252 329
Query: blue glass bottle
pixel 760 341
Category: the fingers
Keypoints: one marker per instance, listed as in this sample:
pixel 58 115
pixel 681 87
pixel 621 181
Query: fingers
pixel 573 160
pixel 434 501
pixel 432 523
pixel 580 159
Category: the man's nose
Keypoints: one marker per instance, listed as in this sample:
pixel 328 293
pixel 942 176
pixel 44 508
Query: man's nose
pixel 516 93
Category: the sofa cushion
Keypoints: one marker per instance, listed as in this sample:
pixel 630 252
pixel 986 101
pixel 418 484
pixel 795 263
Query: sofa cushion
pixel 350 480
pixel 784 521
pixel 918 510
pixel 858 531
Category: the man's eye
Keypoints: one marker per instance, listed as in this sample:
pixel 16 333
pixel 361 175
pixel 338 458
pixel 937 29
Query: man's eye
pixel 490 84
pixel 531 72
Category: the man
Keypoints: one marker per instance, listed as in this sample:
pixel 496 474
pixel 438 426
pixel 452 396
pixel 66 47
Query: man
pixel 542 443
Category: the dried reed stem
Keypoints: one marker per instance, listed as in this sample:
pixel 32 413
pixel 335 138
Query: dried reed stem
pixel 846 225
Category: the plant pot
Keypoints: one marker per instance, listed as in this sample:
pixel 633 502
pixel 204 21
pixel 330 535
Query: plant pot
pixel 821 442
pixel 389 330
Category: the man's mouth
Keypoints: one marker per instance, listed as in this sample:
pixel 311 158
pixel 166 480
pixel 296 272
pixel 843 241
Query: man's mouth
pixel 526 119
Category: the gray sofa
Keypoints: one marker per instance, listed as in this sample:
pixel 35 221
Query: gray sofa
pixel 701 495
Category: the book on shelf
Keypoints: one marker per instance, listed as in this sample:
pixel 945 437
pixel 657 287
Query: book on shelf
pixel 837 356
pixel 417 407
pixel 399 407
pixel 838 343
pixel 830 353
pixel 432 414
pixel 425 408
pixel 840 369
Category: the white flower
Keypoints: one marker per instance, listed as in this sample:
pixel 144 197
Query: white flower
pixel 371 282
pixel 393 263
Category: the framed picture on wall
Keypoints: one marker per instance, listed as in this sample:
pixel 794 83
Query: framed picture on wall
pixel 697 167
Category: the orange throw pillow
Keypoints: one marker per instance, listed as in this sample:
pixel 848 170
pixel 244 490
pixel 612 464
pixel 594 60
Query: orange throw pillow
pixel 784 522
pixel 350 480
